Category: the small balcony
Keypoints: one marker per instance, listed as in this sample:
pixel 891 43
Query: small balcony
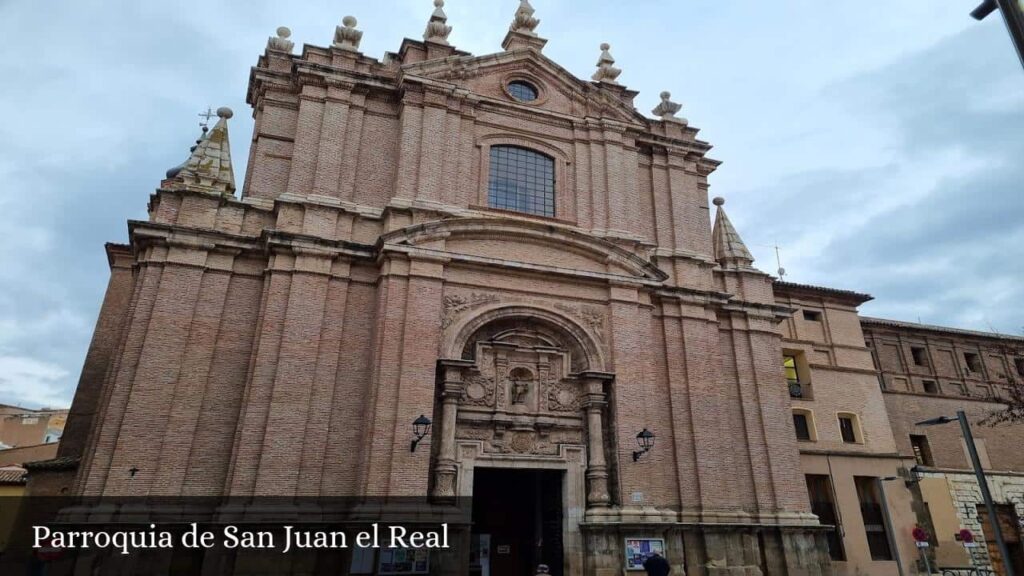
pixel 796 389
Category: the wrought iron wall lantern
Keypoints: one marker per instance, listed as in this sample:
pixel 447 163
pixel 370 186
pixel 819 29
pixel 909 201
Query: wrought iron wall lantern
pixel 420 428
pixel 645 440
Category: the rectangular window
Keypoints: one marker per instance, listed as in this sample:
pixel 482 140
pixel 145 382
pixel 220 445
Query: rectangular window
pixel 848 429
pixel 521 180
pixel 930 386
pixel 922 451
pixel 812 315
pixel 803 427
pixel 874 519
pixel 1019 363
pixel 973 362
pixel 792 375
pixel 819 489
pixel 920 356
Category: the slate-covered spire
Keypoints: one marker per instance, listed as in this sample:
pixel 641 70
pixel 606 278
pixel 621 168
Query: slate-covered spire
pixel 437 27
pixel 730 252
pixel 208 168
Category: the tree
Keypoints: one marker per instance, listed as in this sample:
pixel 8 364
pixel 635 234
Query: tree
pixel 1013 411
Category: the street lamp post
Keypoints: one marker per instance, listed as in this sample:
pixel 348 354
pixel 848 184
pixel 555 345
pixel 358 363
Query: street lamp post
pixel 986 495
pixel 1013 16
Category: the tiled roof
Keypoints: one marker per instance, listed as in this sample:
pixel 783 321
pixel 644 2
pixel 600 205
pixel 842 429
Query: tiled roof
pixel 862 297
pixel 62 463
pixel 933 328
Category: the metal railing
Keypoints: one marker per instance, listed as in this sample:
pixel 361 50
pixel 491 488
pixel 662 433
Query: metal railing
pixel 796 390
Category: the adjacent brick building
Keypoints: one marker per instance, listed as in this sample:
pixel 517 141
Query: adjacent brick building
pixel 928 371
pixel 23 427
pixel 513 252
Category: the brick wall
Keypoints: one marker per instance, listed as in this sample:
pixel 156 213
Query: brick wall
pixel 283 343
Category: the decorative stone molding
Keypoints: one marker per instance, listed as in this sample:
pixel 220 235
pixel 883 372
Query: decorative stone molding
pixel 281 42
pixel 454 304
pixel 592 316
pixel 605 71
pixel 667 109
pixel 523 21
pixel 543 94
pixel 437 28
pixel 407 238
pixel 480 391
pixel 459 333
pixel 563 396
pixel 346 37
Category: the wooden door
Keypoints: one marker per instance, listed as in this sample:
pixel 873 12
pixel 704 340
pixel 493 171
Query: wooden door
pixel 1010 526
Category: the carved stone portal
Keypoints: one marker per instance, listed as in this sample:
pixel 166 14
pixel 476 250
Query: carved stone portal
pixel 519 392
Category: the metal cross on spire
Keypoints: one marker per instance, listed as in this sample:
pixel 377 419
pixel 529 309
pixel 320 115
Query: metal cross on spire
pixel 778 260
pixel 206 116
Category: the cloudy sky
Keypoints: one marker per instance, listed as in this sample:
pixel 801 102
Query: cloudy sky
pixel 880 144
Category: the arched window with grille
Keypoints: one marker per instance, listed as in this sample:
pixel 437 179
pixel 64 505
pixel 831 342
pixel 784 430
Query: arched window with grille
pixel 522 180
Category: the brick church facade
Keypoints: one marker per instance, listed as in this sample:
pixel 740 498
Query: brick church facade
pixel 515 253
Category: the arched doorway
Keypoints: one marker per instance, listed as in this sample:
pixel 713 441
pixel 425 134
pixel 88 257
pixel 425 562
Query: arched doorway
pixel 523 428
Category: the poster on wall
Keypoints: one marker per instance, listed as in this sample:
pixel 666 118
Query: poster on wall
pixel 638 549
pixel 403 561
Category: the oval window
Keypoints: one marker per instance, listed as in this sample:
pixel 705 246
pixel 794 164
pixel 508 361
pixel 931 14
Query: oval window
pixel 522 91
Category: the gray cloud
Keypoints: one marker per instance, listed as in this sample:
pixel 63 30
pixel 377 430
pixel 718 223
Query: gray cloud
pixel 937 232
pixel 894 175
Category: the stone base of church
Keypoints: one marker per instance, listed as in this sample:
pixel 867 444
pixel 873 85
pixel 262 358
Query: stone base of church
pixel 692 550
pixel 710 549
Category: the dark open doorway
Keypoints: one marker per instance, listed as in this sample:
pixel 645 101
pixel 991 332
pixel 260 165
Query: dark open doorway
pixel 517 521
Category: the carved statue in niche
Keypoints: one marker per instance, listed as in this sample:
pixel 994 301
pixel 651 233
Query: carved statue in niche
pixel 521 379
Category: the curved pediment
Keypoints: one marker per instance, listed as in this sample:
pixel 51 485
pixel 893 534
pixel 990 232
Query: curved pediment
pixel 561 91
pixel 534 245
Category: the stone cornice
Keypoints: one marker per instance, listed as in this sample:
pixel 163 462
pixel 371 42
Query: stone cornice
pixel 641 268
pixel 119 255
pixel 854 454
pixel 848 369
pixel 977 399
pixel 276 239
pixel 142 233
pixel 525 267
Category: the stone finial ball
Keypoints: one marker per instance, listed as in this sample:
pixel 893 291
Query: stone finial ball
pixel 605 46
pixel 349 21
pixel 225 112
pixel 283 32
pixel 718 201
pixel 666 95
pixel 439 3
